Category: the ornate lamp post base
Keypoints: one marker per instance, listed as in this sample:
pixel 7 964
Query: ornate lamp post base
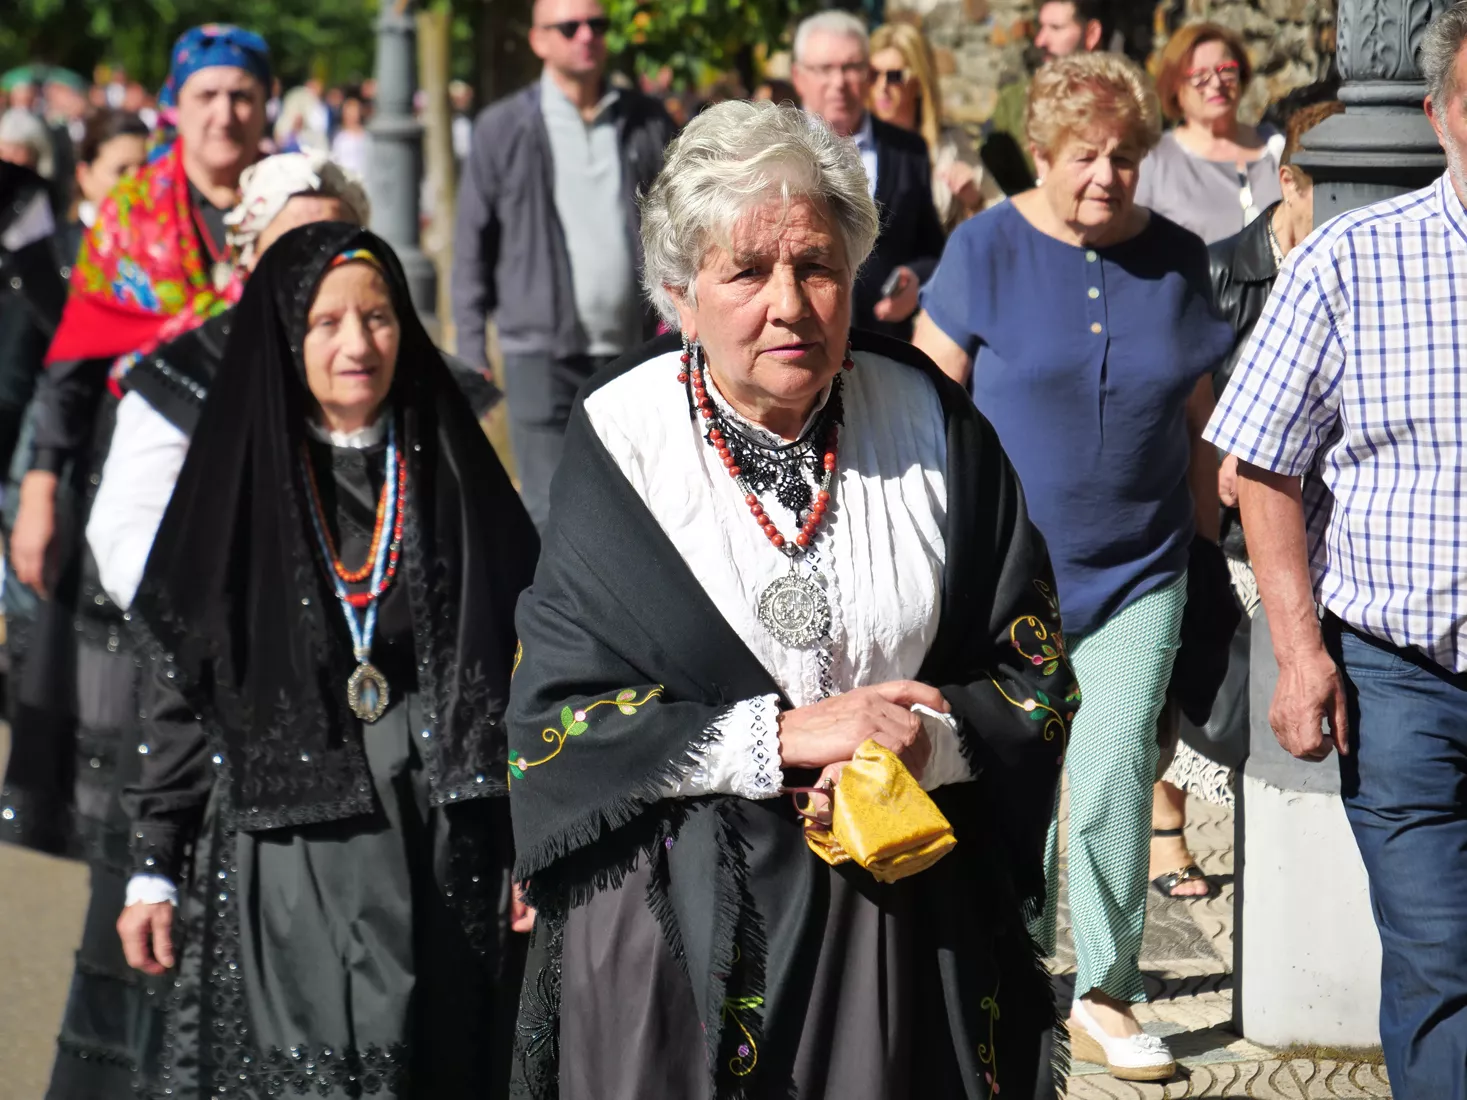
pixel 1381 146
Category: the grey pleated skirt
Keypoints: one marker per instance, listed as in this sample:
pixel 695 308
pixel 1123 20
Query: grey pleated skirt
pixel 874 1027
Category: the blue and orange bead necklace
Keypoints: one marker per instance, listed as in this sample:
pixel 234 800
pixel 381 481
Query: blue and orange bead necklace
pixel 367 690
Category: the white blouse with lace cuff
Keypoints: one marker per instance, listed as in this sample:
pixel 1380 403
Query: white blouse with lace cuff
pixel 879 556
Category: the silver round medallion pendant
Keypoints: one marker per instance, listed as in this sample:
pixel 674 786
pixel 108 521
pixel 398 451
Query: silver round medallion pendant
pixel 795 610
pixel 367 693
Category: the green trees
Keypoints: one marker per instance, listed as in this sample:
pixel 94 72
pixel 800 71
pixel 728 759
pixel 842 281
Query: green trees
pixel 693 37
pixel 334 38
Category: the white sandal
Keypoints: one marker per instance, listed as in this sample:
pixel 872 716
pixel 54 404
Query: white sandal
pixel 1140 1057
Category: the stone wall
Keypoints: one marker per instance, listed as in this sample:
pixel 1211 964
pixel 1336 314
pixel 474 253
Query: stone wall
pixel 980 44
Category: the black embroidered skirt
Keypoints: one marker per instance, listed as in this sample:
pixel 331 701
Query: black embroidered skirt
pixel 325 959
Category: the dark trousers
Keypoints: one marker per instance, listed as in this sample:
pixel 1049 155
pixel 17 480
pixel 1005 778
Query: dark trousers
pixel 540 390
pixel 1405 791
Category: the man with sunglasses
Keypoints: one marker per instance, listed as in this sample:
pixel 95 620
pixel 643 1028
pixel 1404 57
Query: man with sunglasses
pixel 832 75
pixel 548 234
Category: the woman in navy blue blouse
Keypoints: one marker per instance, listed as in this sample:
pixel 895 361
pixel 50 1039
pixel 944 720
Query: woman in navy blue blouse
pixel 1083 323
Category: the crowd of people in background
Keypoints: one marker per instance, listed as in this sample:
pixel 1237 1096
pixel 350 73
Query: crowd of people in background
pixel 46 109
pixel 993 398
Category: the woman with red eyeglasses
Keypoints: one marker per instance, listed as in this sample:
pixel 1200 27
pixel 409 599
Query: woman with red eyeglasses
pixel 1211 173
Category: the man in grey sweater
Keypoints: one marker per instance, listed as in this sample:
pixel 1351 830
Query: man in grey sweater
pixel 548 238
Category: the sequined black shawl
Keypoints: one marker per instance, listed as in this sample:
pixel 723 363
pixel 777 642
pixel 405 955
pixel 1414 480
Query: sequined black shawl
pixel 238 605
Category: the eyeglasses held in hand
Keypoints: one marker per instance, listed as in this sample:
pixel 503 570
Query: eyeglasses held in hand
pixel 1228 75
pixel 569 28
pixel 848 71
pixel 888 76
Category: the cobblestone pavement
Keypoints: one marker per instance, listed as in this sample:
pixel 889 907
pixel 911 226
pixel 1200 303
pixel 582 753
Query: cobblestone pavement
pixel 1187 962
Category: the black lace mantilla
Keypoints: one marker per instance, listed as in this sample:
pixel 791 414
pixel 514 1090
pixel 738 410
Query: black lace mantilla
pixel 284 777
pixel 790 470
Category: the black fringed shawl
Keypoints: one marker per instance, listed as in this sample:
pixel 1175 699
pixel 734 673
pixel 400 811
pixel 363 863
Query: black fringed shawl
pixel 626 663
pixel 239 606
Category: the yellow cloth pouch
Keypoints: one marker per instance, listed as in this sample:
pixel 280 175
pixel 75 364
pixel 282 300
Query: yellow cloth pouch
pixel 881 819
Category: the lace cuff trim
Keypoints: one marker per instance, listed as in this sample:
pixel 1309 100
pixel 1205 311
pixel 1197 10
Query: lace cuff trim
pixel 742 757
pixel 149 890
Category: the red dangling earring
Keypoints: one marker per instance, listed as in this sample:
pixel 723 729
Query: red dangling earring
pixel 848 363
pixel 685 358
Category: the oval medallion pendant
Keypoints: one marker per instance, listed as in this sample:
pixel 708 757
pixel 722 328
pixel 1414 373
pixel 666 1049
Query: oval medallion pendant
pixel 795 610
pixel 366 693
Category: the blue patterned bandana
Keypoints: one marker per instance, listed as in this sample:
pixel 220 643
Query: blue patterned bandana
pixel 211 45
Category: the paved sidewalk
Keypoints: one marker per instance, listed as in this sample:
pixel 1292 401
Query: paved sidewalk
pixel 42 901
pixel 1187 961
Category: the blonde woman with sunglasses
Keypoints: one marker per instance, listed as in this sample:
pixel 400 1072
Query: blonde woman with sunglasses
pixel 905 93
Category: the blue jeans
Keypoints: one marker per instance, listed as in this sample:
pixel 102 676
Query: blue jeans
pixel 1405 792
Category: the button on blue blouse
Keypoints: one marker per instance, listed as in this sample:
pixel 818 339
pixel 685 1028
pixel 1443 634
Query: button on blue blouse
pixel 1083 362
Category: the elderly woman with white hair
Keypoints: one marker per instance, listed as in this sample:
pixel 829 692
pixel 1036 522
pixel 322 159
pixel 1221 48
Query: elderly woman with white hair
pixel 781 555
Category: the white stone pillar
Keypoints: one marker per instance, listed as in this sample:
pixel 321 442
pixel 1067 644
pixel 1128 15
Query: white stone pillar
pixel 1307 953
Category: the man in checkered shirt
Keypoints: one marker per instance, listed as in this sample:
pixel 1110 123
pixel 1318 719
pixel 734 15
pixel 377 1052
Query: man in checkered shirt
pixel 1355 381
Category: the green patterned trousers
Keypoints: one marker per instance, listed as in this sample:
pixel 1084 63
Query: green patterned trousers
pixel 1123 669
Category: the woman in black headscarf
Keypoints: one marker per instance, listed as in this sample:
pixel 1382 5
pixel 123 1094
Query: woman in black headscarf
pixel 330 600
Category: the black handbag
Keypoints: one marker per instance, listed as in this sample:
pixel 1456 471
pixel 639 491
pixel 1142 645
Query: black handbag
pixel 1223 738
pixel 1210 676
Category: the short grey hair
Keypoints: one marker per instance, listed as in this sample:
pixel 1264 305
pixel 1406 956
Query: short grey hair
pixel 20 127
pixel 1437 56
pixel 731 158
pixel 841 23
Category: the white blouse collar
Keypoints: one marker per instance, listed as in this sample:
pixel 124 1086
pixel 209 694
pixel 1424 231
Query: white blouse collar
pixel 357 440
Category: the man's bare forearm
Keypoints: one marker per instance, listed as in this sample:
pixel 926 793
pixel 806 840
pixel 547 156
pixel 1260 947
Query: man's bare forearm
pixel 1273 523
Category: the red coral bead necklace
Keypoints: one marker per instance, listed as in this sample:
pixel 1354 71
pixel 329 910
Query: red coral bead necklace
pixel 793 608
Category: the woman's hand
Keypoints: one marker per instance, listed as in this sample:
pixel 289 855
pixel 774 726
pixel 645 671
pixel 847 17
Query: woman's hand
pixel 32 541
pixel 830 731
pixel 819 803
pixel 146 930
pixel 962 181
pixel 902 302
pixel 521 915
